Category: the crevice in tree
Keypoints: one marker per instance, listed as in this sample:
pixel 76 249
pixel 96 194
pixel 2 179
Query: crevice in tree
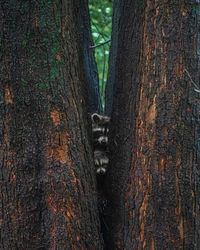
pixel 103 205
pixel 101 179
pixel 94 103
pixel 100 130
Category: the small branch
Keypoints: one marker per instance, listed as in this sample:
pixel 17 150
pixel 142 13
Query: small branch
pixel 196 86
pixel 100 44
pixel 100 32
pixel 197 90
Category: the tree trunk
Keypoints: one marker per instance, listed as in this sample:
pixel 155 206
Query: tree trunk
pixel 48 190
pixel 90 67
pixel 117 9
pixel 153 180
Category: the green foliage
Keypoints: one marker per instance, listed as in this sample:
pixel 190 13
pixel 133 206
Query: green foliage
pixel 101 25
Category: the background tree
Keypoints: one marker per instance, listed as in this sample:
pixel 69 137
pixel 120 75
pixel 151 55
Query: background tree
pixel 47 180
pixel 101 24
pixel 153 180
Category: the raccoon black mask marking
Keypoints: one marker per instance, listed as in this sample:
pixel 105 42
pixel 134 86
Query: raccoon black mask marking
pixel 100 131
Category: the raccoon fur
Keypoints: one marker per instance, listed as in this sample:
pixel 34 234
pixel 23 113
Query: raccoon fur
pixel 100 130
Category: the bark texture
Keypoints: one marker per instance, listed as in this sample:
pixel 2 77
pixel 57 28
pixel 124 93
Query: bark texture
pixel 117 9
pixel 47 185
pixel 154 175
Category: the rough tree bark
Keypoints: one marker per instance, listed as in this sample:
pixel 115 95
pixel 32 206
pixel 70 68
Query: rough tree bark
pixel 153 180
pixel 47 184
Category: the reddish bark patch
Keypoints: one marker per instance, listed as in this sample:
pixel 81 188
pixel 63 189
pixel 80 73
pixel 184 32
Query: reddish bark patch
pixel 58 57
pixel 55 115
pixel 62 154
pixel 52 206
pixel 8 95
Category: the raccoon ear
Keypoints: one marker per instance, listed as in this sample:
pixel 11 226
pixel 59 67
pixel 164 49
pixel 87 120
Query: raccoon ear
pixel 96 118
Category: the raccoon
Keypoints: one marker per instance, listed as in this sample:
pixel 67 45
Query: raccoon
pixel 100 130
pixel 101 161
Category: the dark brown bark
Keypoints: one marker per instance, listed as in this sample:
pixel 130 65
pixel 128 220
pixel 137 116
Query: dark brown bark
pixel 117 9
pixel 154 175
pixel 90 67
pixel 48 190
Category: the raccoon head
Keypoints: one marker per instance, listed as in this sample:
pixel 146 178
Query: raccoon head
pixel 100 119
pixel 101 161
pixel 102 140
pixel 101 170
pixel 100 128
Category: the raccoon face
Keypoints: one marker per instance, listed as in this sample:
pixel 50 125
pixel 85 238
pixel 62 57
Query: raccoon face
pixel 101 161
pixel 102 140
pixel 101 170
pixel 100 129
